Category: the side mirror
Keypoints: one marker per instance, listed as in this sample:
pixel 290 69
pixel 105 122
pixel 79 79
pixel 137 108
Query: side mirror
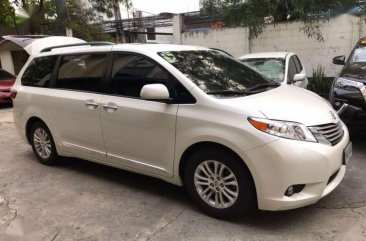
pixel 339 60
pixel 299 77
pixel 154 92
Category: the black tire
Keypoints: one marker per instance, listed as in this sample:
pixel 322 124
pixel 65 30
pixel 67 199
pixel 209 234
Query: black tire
pixel 52 158
pixel 246 200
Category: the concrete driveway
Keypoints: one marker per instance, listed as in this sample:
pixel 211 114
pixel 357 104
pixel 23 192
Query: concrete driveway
pixel 79 200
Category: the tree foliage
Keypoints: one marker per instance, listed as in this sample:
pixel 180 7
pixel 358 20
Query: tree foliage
pixel 7 13
pixel 251 12
pixel 84 22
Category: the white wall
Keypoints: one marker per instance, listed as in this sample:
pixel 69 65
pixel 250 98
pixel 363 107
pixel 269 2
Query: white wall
pixel 162 39
pixel 340 35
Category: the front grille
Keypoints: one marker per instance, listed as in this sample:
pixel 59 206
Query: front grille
pixel 5 90
pixel 333 132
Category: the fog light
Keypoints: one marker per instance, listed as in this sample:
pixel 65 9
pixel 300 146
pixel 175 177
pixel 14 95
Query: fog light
pixel 294 189
pixel 289 191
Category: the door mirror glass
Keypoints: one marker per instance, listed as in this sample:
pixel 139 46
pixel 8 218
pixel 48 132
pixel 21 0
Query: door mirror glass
pixel 339 60
pixel 299 77
pixel 154 92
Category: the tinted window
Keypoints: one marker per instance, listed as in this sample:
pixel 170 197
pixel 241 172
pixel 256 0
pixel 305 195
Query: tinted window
pixel 297 63
pixel 4 75
pixel 39 71
pixel 131 72
pixel 359 54
pixel 213 71
pixel 291 70
pixel 81 72
pixel 272 68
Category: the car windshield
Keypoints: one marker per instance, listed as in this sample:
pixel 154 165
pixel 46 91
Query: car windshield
pixel 214 72
pixel 272 68
pixel 4 75
pixel 359 54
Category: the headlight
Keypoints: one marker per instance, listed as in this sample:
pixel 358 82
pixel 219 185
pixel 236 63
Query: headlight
pixel 346 83
pixel 284 129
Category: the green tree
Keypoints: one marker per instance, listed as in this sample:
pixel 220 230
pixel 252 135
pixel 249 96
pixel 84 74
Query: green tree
pixel 84 22
pixel 251 12
pixel 7 14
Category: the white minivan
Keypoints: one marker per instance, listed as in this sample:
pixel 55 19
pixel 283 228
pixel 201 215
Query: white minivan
pixel 188 115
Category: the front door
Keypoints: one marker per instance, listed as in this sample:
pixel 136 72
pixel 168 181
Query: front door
pixel 138 134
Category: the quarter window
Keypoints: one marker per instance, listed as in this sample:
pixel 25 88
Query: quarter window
pixel 39 71
pixel 131 72
pixel 82 72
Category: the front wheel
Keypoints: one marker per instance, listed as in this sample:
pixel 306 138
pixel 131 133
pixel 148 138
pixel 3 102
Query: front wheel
pixel 42 144
pixel 220 184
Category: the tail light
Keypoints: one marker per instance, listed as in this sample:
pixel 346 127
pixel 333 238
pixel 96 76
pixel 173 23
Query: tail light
pixel 13 94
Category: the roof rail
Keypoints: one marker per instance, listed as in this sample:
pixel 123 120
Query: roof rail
pixel 101 43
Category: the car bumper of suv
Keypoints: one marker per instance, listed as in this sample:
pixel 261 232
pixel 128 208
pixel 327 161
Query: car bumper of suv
pixel 317 168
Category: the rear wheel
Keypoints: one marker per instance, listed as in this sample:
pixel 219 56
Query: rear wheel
pixel 220 183
pixel 42 144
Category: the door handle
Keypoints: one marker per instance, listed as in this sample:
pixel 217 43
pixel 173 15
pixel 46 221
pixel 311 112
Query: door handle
pixel 91 104
pixel 110 107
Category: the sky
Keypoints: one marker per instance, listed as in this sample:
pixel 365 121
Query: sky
pixel 158 6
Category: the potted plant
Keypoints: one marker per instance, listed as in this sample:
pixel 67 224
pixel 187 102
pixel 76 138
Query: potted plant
pixel 319 83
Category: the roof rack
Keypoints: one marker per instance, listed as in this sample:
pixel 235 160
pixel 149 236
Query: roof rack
pixel 101 43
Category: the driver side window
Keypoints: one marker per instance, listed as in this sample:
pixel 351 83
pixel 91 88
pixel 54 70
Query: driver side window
pixel 131 72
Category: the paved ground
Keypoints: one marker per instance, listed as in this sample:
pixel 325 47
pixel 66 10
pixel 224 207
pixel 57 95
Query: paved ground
pixel 85 201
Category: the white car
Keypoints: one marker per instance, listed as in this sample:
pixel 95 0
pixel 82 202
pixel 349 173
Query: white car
pixel 283 67
pixel 188 115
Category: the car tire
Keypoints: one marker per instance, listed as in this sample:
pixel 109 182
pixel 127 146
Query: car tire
pixel 225 177
pixel 43 145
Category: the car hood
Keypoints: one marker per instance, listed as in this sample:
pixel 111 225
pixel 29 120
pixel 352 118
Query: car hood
pixel 356 71
pixel 289 103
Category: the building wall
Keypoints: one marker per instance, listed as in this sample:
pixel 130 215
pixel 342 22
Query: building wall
pixel 340 35
pixel 162 39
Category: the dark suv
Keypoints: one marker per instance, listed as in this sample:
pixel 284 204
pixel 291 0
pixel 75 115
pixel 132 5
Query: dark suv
pixel 348 92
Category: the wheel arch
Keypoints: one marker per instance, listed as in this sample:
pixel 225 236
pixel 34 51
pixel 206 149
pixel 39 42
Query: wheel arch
pixel 29 125
pixel 206 145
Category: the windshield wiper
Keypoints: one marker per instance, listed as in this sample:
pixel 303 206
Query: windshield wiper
pixel 259 86
pixel 226 92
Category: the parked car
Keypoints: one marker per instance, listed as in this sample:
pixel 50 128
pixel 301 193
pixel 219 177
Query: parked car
pixel 6 81
pixel 283 67
pixel 188 115
pixel 348 92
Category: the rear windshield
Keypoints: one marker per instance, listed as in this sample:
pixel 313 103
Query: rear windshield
pixel 213 71
pixel 4 75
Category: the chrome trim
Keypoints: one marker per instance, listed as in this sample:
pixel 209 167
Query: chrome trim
pixel 67 144
pixel 342 109
pixel 160 169
pixel 356 84
pixel 106 106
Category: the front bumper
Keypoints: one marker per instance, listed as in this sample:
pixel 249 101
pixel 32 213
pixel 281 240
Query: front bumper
pixel 282 163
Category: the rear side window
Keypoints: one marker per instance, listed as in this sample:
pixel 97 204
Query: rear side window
pixel 81 72
pixel 131 72
pixel 39 71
